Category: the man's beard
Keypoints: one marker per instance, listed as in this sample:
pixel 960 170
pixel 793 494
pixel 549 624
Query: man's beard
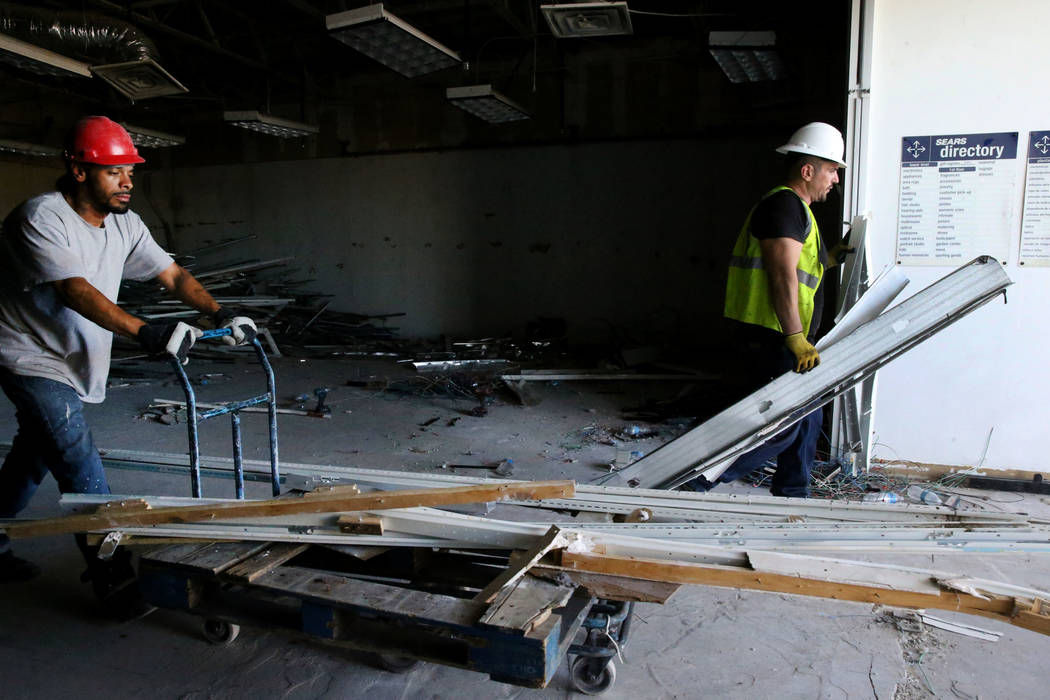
pixel 104 202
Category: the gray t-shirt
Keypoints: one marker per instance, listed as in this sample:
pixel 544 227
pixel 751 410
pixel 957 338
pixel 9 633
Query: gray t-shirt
pixel 44 241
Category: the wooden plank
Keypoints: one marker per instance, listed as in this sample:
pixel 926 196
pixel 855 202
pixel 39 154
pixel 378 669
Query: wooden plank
pixel 358 524
pixel 209 558
pixel 377 500
pixel 1005 608
pixel 369 596
pixel 220 556
pixel 554 539
pixel 1032 615
pixel 608 586
pixel 173 554
pixel 530 602
pixel 268 559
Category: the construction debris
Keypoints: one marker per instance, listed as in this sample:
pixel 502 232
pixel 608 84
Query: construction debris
pixel 593 549
pixel 712 446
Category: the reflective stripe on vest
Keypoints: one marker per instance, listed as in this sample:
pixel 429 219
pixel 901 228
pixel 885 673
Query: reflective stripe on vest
pixel 747 289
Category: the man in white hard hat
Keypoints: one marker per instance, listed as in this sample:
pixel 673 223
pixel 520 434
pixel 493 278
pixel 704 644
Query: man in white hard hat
pixel 774 296
pixel 63 255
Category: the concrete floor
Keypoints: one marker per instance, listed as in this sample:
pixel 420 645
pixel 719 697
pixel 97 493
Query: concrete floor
pixel 705 642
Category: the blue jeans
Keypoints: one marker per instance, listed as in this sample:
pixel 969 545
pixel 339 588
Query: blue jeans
pixel 795 448
pixel 52 437
pixel 766 357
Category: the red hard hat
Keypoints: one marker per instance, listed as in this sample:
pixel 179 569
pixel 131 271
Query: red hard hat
pixel 102 141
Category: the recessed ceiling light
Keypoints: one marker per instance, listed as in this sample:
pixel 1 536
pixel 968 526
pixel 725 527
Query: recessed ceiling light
pixel 148 138
pixel 39 60
pixel 485 103
pixel 582 19
pixel 747 57
pixel 393 42
pixel 29 149
pixel 266 124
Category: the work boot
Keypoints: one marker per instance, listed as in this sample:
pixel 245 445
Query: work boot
pixel 700 484
pixel 15 569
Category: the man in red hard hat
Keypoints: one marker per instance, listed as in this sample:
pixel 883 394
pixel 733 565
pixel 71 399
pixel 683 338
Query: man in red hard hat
pixel 775 296
pixel 63 255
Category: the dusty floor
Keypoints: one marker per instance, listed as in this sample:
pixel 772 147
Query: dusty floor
pixel 704 642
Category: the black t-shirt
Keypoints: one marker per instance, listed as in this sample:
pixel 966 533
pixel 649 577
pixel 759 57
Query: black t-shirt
pixel 783 215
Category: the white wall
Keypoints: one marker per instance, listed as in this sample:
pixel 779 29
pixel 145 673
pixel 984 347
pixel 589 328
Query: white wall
pixel 956 67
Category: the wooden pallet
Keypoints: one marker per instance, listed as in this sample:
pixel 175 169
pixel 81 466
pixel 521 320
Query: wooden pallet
pixel 418 604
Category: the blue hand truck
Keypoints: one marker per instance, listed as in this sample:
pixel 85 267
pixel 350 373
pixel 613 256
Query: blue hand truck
pixel 233 409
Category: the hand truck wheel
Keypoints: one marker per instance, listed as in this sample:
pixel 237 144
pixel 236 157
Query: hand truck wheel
pixel 220 632
pixel 592 675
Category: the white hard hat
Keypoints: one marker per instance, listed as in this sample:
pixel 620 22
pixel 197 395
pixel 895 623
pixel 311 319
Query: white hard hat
pixel 817 139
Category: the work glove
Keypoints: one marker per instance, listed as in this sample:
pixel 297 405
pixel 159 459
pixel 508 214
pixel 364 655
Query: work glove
pixel 174 339
pixel 837 253
pixel 242 328
pixel 806 356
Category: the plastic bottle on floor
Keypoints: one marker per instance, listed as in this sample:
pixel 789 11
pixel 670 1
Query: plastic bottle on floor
pixel 918 494
pixel 880 497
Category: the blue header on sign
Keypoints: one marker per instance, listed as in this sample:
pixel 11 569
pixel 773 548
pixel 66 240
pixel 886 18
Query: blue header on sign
pixel 1039 144
pixel 998 146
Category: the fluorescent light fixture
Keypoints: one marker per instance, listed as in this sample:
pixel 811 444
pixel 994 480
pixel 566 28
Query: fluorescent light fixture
pixel 29 149
pixel 148 138
pixel 266 124
pixel 485 103
pixel 747 57
pixel 393 42
pixel 38 60
pixel 581 19
pixel 139 80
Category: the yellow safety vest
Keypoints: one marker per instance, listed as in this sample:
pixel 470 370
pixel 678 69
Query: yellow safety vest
pixel 747 289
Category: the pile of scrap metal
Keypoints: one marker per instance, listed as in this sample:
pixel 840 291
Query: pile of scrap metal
pixel 288 316
pixel 670 538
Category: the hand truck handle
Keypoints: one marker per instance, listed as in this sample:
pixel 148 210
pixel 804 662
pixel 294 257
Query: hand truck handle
pixel 216 333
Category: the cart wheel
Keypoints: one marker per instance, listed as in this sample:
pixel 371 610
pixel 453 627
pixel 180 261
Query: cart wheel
pixel 395 663
pixel 591 675
pixel 219 632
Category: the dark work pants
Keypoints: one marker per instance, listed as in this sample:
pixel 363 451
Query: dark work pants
pixel 52 437
pixel 794 448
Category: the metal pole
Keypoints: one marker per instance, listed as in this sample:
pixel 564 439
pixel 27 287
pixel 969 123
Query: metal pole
pixel 191 427
pixel 275 474
pixel 238 466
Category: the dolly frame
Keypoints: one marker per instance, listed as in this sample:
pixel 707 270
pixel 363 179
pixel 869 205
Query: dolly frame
pixel 233 409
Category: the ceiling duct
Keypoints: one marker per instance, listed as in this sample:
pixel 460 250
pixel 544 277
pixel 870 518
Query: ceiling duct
pixel 116 51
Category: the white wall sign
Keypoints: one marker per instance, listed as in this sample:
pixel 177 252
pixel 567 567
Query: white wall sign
pixel 1035 222
pixel 956 197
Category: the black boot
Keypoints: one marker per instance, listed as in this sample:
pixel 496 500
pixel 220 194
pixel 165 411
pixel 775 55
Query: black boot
pixel 15 569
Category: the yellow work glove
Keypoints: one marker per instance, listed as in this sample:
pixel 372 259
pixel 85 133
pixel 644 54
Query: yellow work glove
pixel 837 254
pixel 806 355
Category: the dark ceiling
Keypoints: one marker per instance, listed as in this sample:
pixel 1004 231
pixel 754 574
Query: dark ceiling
pixel 278 57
